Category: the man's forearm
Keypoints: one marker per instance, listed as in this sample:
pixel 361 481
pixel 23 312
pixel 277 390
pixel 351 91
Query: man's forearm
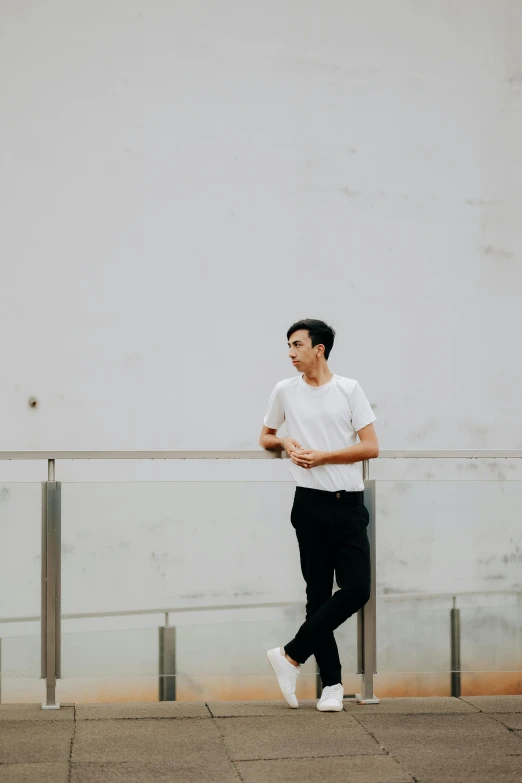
pixel 271 443
pixel 358 453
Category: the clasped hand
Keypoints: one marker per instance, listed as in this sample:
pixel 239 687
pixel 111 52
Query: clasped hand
pixel 308 458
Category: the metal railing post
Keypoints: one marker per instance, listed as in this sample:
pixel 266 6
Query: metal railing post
pixel 167 662
pixel 455 649
pixel 367 615
pixel 51 587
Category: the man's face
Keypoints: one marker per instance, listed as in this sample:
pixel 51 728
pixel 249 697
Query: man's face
pixel 300 351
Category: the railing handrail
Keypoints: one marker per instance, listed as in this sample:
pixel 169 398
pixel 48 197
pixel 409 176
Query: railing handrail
pixel 232 607
pixel 260 454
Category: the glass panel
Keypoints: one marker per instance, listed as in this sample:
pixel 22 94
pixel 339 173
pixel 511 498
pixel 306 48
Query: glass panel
pixel 222 559
pixel 412 636
pixel 448 537
pixel 436 541
pixel 20 581
pixel 148 546
pixel 116 653
pixel 21 656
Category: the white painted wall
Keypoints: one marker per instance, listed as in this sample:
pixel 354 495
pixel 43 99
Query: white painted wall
pixel 181 181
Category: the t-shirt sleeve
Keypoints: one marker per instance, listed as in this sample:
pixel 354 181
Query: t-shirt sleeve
pixel 362 414
pixel 275 412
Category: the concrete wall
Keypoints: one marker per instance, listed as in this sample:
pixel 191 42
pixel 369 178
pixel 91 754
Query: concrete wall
pixel 179 183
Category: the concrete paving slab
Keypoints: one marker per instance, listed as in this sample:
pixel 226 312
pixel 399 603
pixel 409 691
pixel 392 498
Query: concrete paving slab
pixel 511 720
pixel 34 712
pixel 147 741
pixel 35 741
pixel 429 767
pixel 356 769
pixel 415 705
pixel 205 771
pixel 31 773
pixel 245 709
pixel 138 710
pixel 322 734
pixel 495 703
pixel 441 734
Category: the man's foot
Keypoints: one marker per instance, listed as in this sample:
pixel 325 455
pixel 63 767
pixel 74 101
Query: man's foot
pixel 286 674
pixel 331 698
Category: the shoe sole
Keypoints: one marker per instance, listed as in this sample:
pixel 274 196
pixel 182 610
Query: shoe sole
pixel 293 706
pixel 330 709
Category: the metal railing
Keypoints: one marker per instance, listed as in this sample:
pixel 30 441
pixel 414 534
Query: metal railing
pixel 51 562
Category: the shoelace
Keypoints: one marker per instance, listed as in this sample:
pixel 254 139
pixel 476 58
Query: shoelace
pixel 331 691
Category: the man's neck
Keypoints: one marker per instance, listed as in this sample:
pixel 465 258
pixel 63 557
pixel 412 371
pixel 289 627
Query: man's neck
pixel 319 378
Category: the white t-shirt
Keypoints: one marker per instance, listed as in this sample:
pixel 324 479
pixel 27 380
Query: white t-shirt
pixel 326 418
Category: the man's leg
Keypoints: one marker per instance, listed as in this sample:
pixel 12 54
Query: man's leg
pixel 349 520
pixel 314 535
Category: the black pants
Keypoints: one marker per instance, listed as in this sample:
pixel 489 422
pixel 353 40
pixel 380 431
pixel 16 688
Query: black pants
pixel 331 531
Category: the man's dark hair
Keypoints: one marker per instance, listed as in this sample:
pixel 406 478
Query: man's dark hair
pixel 319 332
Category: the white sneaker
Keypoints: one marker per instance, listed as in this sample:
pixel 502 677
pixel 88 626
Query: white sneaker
pixel 286 674
pixel 331 698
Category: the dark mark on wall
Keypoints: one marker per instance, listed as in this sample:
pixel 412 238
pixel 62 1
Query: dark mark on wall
pixel 489 250
pixel 385 590
pixel 512 558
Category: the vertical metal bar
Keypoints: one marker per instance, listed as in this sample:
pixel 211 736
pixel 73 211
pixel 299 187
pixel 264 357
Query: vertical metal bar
pixel 360 641
pixel 318 683
pixel 367 615
pixel 167 664
pixel 58 581
pixel 455 649
pixel 161 664
pixel 43 616
pixel 50 470
pixel 51 606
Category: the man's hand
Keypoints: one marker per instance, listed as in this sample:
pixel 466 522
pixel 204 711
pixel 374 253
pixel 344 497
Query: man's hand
pixel 309 458
pixel 290 445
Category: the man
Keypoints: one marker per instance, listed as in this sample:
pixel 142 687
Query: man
pixel 324 413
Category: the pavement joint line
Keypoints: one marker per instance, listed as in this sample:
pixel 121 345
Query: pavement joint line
pixel 71 746
pixel 233 762
pixel 493 716
pixel 387 752
pixel 145 717
pixel 348 712
pixel 375 738
pixel 308 758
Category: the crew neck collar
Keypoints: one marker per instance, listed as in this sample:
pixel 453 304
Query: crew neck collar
pixel 316 388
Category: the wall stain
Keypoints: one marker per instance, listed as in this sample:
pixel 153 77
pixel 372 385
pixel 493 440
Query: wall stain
pixel 489 250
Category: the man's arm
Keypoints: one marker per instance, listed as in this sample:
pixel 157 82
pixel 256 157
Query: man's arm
pixel 368 448
pixel 269 440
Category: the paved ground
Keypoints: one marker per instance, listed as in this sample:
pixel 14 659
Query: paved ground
pixel 399 740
